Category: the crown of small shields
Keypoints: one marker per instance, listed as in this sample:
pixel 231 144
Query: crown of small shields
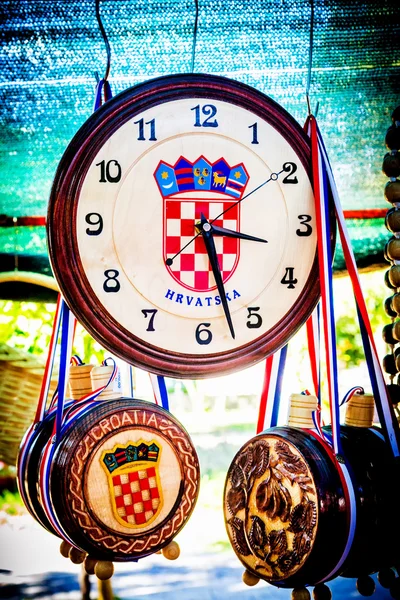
pixel 131 454
pixel 201 175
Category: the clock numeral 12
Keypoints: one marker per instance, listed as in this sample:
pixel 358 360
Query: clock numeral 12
pixel 209 111
pixel 111 283
pixel 288 278
pixel 252 312
pixel 203 336
pixel 141 123
pixel 255 133
pixel 152 312
pixel 107 170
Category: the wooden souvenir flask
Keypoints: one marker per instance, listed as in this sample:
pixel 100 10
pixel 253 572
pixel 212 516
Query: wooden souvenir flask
pixel 124 479
pixel 286 512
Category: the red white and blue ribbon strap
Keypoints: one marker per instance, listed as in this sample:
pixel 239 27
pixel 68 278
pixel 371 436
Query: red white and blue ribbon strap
pixel 102 90
pixel 313 337
pixel 67 334
pixel 321 193
pixel 272 387
pixel 354 390
pixel 159 390
pixel 385 410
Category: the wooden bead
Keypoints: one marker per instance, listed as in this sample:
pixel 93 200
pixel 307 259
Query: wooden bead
pixel 250 579
pixel 300 594
pixel 89 565
pixel 104 569
pixel 386 577
pixel 172 551
pixel 388 283
pixel 396 303
pixel 387 334
pixel 391 164
pixel 396 330
pixel 322 592
pixel 389 309
pixel 393 391
pixel 392 138
pixel 65 547
pixel 392 191
pixel 392 219
pixel 76 556
pixel 365 585
pixel 392 249
pixel 389 364
pixel 394 276
pixel 395 589
pixel 396 114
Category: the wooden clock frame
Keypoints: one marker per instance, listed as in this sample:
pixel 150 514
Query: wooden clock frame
pixel 62 238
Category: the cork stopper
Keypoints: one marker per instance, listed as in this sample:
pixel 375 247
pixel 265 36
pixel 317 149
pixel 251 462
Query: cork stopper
pixel 360 410
pixel 80 383
pixel 100 376
pixel 301 407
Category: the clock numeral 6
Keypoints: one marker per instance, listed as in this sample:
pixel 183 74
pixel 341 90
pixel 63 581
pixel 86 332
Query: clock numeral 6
pixel 252 312
pixel 111 283
pixel 288 279
pixel 94 219
pixel 290 168
pixel 203 336
pixel 152 312
pixel 304 220
pixel 109 172
pixel 209 111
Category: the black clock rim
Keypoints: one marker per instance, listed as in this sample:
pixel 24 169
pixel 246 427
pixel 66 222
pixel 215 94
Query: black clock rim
pixel 62 239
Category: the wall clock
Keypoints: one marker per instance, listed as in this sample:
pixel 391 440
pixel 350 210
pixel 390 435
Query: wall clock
pixel 181 226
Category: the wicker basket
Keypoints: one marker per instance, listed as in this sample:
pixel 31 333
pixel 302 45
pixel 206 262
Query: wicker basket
pixel 20 383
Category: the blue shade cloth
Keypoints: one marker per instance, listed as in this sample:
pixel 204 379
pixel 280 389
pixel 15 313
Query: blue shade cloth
pixel 50 50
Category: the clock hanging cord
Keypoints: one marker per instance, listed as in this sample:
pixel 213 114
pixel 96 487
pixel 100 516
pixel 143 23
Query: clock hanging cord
pixel 196 21
pixel 103 90
pixel 310 60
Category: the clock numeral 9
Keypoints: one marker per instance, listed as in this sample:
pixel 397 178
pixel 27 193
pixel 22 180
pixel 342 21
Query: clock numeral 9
pixel 209 111
pixel 203 336
pixel 107 170
pixel 111 283
pixel 94 219
pixel 304 220
pixel 252 312
pixel 290 168
pixel 152 313
pixel 288 278
pixel 141 136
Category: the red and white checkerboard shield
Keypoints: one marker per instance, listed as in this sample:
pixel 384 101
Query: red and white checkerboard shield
pixel 136 496
pixel 191 268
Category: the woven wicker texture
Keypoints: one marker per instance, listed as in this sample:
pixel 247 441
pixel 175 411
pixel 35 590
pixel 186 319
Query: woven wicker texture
pixel 51 48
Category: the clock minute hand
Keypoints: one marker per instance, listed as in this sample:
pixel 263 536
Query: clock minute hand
pixel 206 230
pixel 216 230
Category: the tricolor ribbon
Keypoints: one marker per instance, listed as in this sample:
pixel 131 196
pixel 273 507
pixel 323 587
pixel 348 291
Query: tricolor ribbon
pixel 272 387
pixel 159 390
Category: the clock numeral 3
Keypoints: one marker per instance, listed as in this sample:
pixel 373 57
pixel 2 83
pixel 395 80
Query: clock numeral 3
pixel 252 312
pixel 109 172
pixel 290 168
pixel 152 313
pixel 203 336
pixel 111 283
pixel 141 136
pixel 255 133
pixel 94 219
pixel 304 220
pixel 288 279
pixel 209 111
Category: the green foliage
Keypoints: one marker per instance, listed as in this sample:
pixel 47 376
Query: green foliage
pixel 11 503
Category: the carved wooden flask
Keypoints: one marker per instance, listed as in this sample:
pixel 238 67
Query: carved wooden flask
pixel 124 479
pixel 287 515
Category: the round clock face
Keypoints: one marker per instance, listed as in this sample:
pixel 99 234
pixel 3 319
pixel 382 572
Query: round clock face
pixel 182 226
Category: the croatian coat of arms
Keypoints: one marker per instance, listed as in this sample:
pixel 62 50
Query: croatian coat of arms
pixel 134 482
pixel 190 190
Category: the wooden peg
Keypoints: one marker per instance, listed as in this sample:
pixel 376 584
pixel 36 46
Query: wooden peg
pixel 172 551
pixel 100 376
pixel 105 590
pixel 80 383
pixel 104 569
pixel 301 407
pixel 250 579
pixel 360 410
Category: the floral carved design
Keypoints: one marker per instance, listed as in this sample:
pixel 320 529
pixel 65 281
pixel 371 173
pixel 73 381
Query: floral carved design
pixel 271 507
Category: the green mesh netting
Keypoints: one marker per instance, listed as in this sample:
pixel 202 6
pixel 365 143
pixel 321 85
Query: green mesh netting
pixel 50 50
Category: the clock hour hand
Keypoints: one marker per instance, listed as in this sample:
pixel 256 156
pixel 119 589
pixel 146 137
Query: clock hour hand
pixel 234 234
pixel 206 230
